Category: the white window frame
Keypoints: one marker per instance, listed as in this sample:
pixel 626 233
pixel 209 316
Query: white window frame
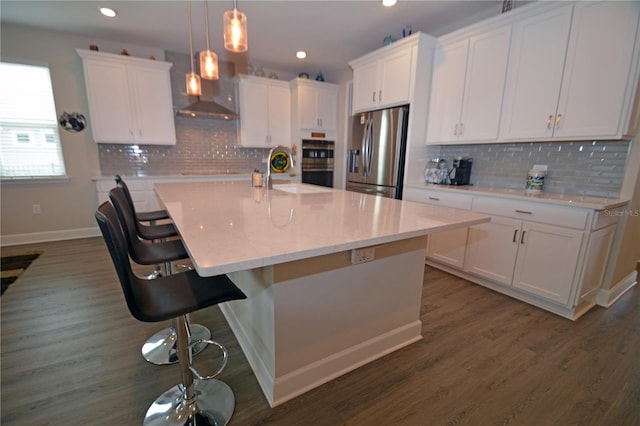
pixel 30 110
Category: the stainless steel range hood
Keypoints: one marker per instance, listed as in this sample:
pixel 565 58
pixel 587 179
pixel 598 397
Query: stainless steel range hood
pixel 207 109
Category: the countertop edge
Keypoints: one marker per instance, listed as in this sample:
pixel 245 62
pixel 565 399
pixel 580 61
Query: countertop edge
pixel 568 200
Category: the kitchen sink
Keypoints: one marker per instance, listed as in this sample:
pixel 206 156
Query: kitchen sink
pixel 300 188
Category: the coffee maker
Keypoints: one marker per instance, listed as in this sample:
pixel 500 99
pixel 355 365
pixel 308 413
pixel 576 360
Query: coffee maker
pixel 461 172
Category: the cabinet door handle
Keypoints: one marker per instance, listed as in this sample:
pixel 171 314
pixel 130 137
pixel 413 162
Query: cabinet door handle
pixel 515 235
pixel 373 98
pixel 549 122
pixel 522 237
pixel 434 198
pixel 523 212
pixel 558 118
pixel 380 96
pixel 461 128
pixel 455 130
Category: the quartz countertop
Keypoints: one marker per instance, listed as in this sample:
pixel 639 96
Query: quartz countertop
pixel 229 226
pixel 596 203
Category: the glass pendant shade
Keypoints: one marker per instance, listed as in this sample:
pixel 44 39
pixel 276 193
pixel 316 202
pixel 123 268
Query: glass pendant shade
pixel 193 84
pixel 208 65
pixel 235 31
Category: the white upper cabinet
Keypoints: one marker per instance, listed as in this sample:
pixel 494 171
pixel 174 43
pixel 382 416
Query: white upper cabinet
pixel 265 112
pixel 598 75
pixel 129 99
pixel 384 79
pixel 572 73
pixel 467 88
pixel 316 104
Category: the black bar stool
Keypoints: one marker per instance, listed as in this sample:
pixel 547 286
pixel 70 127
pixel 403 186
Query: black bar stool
pixel 151 216
pixel 159 349
pixel 197 400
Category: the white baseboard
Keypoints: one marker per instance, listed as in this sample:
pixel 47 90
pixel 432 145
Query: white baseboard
pixel 42 237
pixel 607 297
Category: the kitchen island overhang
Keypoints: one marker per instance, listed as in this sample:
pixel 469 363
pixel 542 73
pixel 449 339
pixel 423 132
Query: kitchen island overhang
pixel 313 312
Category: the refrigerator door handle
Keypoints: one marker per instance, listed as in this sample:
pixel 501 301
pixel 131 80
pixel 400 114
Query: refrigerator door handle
pixel 369 156
pixel 364 146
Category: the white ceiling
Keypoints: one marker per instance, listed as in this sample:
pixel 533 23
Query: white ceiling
pixel 332 32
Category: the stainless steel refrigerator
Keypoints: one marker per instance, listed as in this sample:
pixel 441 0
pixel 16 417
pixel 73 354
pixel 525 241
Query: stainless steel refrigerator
pixel 377 152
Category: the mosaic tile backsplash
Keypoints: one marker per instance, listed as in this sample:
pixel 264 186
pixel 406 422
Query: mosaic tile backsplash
pixel 204 147
pixel 593 168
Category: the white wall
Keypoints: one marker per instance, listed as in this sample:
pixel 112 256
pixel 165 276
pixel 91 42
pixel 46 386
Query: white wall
pixel 67 207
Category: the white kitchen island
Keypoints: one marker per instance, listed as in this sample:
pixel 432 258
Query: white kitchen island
pixel 333 278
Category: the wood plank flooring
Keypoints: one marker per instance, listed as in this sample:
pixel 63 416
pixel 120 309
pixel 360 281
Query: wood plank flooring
pixel 70 355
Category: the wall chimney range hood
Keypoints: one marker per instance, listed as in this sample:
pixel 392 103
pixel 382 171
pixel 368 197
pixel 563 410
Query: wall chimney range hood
pixel 207 109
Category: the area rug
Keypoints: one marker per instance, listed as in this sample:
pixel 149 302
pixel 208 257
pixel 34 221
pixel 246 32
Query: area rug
pixel 13 266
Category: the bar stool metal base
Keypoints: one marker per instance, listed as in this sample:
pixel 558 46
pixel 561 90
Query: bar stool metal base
pixel 161 349
pixel 213 405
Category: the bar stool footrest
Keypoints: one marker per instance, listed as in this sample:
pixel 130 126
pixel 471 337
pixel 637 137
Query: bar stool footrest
pixel 225 356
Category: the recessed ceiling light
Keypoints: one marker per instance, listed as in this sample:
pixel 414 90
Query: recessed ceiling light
pixel 301 54
pixel 388 2
pixel 108 12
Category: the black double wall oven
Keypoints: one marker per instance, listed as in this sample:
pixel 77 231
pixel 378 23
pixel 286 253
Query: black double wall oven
pixel 317 162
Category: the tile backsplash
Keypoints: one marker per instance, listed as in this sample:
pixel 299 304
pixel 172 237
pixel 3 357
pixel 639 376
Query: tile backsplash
pixel 203 146
pixel 206 147
pixel 594 168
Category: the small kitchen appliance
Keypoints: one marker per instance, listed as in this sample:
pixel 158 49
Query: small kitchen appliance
pixel 460 174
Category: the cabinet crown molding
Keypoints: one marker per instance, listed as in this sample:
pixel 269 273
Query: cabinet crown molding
pixel 127 60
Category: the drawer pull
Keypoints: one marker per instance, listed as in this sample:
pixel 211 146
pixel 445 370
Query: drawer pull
pixel 523 212
pixel 434 198
pixel 515 235
pixel 522 237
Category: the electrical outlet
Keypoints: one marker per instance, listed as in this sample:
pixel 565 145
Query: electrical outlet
pixel 36 209
pixel 362 255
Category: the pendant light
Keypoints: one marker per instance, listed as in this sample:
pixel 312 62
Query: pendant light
pixel 193 79
pixel 208 59
pixel 235 30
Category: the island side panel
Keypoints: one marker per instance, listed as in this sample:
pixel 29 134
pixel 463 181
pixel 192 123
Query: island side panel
pixel 330 316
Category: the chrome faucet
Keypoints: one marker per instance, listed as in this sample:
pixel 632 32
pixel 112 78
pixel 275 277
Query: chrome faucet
pixel 277 148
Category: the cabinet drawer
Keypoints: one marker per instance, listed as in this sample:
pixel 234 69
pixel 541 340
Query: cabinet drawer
pixel 535 212
pixel 438 198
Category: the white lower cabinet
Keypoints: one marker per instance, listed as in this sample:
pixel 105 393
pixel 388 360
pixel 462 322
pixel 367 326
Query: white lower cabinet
pixel 143 191
pixel 547 261
pixel 536 258
pixel 546 254
pixel 448 247
pixel 493 248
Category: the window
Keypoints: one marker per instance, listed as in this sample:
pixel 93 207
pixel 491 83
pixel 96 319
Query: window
pixel 29 139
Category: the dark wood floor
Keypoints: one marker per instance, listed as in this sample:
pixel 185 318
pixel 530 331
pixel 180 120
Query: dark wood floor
pixel 70 356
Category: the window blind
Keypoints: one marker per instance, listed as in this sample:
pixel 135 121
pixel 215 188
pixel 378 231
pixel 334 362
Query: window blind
pixel 29 139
